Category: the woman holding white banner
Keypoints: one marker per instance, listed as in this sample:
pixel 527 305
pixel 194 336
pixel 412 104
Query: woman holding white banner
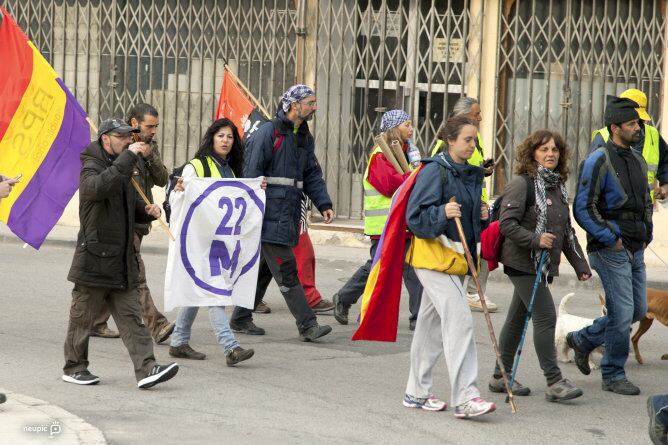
pixel 220 156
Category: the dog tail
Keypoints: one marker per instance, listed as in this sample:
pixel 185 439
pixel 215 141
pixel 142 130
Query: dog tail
pixel 562 305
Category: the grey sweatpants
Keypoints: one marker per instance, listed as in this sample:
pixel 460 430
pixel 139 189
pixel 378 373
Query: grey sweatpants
pixel 444 325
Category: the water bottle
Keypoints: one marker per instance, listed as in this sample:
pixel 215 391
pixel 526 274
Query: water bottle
pixel 414 156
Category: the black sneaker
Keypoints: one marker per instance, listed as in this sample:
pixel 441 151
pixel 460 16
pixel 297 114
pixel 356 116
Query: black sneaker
pixel 81 378
pixel 237 355
pixel 185 351
pixel 3 398
pixel 246 327
pixel 315 332
pixel 159 374
pixel 340 310
pixel 623 387
pixel 581 358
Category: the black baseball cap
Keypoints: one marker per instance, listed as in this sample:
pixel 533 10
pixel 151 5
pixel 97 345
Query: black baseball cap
pixel 117 126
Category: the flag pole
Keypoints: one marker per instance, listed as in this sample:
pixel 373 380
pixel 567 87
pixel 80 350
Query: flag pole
pixel 137 188
pixel 248 93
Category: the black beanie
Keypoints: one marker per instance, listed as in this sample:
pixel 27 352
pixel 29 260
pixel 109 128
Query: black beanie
pixel 619 110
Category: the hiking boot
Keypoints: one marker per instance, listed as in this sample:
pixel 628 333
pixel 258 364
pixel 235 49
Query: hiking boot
pixel 622 386
pixel 657 431
pixel 262 308
pixel 474 408
pixel 411 325
pixel 104 332
pixel 315 332
pixel 237 355
pixel 246 327
pixel 159 374
pixel 581 358
pixel 430 403
pixel 496 385
pixel 81 378
pixel 164 333
pixel 340 310
pixel 323 306
pixel 476 305
pixel 564 389
pixel 185 351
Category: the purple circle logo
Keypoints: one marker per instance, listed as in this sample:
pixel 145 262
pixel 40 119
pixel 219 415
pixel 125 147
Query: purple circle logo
pixel 224 260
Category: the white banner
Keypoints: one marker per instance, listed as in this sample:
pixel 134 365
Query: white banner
pixel 214 261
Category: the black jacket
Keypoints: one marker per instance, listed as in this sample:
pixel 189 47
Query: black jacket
pixel 108 209
pixel 148 172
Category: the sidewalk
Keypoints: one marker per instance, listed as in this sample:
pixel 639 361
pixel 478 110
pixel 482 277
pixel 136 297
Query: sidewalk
pixel 345 237
pixel 24 420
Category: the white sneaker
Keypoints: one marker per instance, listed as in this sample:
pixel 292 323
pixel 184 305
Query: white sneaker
pixel 474 408
pixel 430 403
pixel 476 305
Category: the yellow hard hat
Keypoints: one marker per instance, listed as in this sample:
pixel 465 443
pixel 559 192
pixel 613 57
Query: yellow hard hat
pixel 638 97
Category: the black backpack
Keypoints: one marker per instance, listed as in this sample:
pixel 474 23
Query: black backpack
pixel 173 177
pixel 494 210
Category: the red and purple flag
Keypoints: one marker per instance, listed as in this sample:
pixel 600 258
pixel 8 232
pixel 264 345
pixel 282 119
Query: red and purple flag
pixel 42 132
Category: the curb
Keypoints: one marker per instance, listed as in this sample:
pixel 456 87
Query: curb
pixel 25 419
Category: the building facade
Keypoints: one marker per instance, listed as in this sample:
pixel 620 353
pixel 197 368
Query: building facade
pixel 532 63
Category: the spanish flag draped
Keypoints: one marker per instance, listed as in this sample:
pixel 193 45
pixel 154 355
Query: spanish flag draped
pixel 42 132
pixel 380 301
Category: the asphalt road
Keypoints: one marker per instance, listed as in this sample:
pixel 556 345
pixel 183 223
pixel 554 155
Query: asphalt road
pixel 335 391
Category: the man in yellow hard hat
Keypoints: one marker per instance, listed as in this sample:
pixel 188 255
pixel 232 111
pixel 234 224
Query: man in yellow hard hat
pixel 651 145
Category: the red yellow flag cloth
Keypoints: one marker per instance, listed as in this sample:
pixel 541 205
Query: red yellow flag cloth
pixel 42 132
pixel 380 301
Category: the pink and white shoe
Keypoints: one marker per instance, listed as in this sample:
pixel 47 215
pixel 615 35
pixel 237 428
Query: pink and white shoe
pixel 430 403
pixel 474 408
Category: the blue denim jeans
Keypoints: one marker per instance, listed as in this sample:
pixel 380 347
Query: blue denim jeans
pixel 622 274
pixel 219 323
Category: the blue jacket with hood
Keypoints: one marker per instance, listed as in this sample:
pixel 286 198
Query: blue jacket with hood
pixel 294 159
pixel 436 244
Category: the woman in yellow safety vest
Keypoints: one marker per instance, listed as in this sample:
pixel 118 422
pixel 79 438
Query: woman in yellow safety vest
pixel 220 155
pixel 380 182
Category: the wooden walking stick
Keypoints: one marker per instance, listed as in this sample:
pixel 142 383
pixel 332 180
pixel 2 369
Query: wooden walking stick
pixel 488 319
pixel 137 187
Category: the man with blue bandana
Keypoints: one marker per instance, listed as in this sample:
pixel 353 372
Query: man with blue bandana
pixel 283 151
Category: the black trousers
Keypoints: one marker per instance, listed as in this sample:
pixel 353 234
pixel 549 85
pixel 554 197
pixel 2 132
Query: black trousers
pixel 354 288
pixel 279 262
pixel 544 318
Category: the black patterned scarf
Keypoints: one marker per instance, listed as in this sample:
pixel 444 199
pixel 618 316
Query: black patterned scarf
pixel 548 179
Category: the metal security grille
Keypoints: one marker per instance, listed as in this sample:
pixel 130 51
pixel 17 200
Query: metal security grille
pixel 558 59
pixel 377 55
pixel 115 53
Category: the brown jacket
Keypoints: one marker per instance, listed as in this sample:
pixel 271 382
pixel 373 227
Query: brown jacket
pixel 517 224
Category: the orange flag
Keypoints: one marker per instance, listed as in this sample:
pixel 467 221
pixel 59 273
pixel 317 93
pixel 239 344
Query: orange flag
pixel 233 103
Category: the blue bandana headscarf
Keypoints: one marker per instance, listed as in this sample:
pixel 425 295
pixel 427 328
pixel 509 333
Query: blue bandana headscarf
pixel 294 94
pixel 393 118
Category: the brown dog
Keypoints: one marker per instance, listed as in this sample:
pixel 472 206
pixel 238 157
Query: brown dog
pixel 657 308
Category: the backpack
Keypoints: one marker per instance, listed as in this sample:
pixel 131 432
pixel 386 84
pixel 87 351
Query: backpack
pixel 491 238
pixel 178 171
pixel 171 183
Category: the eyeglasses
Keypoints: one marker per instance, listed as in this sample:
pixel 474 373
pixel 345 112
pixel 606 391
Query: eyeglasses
pixel 310 103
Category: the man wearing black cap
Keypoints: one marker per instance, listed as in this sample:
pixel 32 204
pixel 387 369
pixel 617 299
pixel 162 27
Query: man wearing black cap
pixel 613 205
pixel 104 270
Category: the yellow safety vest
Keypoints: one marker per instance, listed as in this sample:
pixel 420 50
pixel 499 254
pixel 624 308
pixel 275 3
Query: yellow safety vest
pixel 650 151
pixel 477 159
pixel 376 205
